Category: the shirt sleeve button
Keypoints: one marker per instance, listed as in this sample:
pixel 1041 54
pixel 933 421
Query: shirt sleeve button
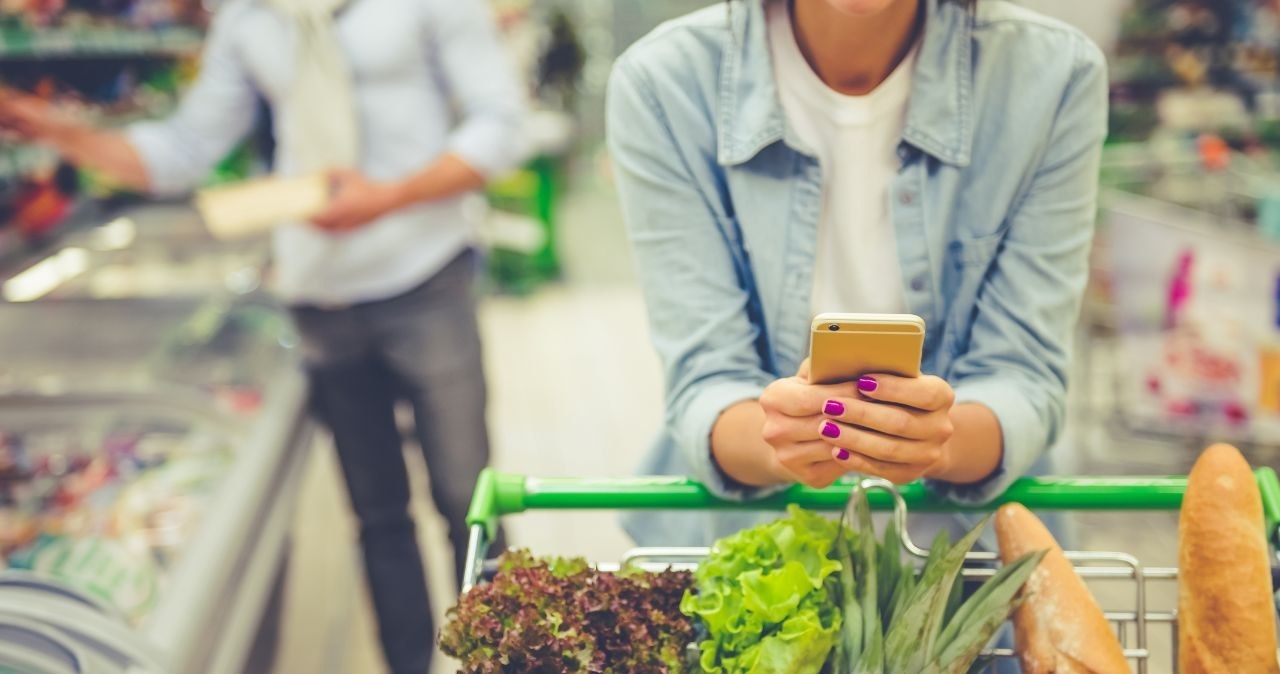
pixel 917 283
pixel 906 198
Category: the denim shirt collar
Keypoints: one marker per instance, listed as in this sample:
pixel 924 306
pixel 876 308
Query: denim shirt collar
pixel 939 115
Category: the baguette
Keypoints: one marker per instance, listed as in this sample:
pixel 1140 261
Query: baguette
pixel 1226 618
pixel 1058 628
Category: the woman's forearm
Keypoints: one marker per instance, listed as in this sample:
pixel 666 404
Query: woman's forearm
pixel 739 449
pixel 976 448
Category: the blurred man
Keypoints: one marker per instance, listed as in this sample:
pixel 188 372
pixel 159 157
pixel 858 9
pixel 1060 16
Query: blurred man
pixel 380 283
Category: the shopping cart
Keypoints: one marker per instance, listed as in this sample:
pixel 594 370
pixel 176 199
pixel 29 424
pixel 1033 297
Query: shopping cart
pixel 499 494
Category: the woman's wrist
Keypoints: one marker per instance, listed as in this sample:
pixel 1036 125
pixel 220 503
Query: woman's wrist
pixel 976 448
pixel 738 448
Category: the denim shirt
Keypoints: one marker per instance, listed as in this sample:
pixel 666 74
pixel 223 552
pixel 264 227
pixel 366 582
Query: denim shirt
pixel 993 208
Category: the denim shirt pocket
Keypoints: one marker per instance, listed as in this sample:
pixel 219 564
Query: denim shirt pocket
pixel 969 262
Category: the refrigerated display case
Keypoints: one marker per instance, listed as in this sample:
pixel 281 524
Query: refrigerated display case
pixel 1193 321
pixel 152 439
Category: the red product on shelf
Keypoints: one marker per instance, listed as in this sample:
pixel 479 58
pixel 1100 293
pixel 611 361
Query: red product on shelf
pixel 39 209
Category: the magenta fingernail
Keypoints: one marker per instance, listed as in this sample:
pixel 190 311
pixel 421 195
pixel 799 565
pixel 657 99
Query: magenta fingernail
pixel 833 408
pixel 830 430
pixel 842 454
pixel 868 384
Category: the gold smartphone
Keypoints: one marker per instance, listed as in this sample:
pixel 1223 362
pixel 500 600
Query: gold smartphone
pixel 844 347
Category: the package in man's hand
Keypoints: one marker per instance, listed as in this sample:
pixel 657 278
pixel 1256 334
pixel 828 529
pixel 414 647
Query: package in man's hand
pixel 252 207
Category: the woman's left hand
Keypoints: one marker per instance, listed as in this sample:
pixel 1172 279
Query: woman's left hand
pixel 899 429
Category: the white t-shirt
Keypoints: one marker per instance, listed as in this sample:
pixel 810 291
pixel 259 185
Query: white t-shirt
pixel 855 139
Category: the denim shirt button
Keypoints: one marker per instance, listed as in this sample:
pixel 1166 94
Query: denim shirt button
pixel 906 198
pixel 917 283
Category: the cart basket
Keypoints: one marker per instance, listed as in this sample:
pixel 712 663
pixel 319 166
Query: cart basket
pixel 498 494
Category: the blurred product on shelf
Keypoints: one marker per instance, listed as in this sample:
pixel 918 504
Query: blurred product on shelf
pixel 1189 66
pixel 519 230
pixel 150 462
pixel 41 202
pixel 107 62
pixel 560 66
pixel 1197 314
pixel 105 511
pixel 1196 319
pixel 24 17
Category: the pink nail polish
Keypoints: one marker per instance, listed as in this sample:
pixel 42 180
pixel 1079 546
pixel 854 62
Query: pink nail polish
pixel 833 408
pixel 830 430
pixel 868 384
pixel 842 454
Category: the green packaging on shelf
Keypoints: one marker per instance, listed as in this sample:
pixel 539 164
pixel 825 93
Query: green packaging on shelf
pixel 103 568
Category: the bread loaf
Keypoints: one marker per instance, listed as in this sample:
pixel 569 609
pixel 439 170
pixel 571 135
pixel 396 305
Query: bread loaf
pixel 1226 614
pixel 1059 628
pixel 253 207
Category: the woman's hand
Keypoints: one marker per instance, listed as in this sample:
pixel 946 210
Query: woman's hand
pixel 793 419
pixel 893 427
pixel 897 428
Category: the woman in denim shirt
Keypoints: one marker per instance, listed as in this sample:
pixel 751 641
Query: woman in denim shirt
pixel 988 206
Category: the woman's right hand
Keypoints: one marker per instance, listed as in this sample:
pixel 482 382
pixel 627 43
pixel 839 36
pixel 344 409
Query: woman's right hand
pixel 793 410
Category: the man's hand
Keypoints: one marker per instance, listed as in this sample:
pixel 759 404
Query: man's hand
pixel 356 201
pixel 25 116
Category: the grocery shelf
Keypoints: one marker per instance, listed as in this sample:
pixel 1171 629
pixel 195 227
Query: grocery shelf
pixel 98 43
pixel 195 395
pixel 16 251
pixel 207 617
pixel 18 160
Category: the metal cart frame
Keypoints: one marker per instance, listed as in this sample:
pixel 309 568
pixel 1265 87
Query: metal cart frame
pixel 499 494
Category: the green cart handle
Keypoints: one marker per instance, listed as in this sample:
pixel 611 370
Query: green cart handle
pixel 500 494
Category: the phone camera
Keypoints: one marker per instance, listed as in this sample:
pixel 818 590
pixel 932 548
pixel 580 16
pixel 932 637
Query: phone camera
pixel 833 327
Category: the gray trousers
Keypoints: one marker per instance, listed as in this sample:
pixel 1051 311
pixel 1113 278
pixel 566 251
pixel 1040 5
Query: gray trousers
pixel 424 347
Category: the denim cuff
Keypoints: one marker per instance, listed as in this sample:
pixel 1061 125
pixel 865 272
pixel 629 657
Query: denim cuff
pixel 1023 433
pixel 693 432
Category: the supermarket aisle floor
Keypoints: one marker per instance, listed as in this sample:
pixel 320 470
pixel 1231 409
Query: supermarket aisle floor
pixel 574 390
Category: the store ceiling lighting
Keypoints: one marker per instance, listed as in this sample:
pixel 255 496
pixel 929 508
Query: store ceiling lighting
pixel 42 277
pixel 117 234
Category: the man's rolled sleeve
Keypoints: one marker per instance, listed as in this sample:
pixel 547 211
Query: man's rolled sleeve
pixel 482 79
pixel 170 170
pixel 490 146
pixel 214 115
